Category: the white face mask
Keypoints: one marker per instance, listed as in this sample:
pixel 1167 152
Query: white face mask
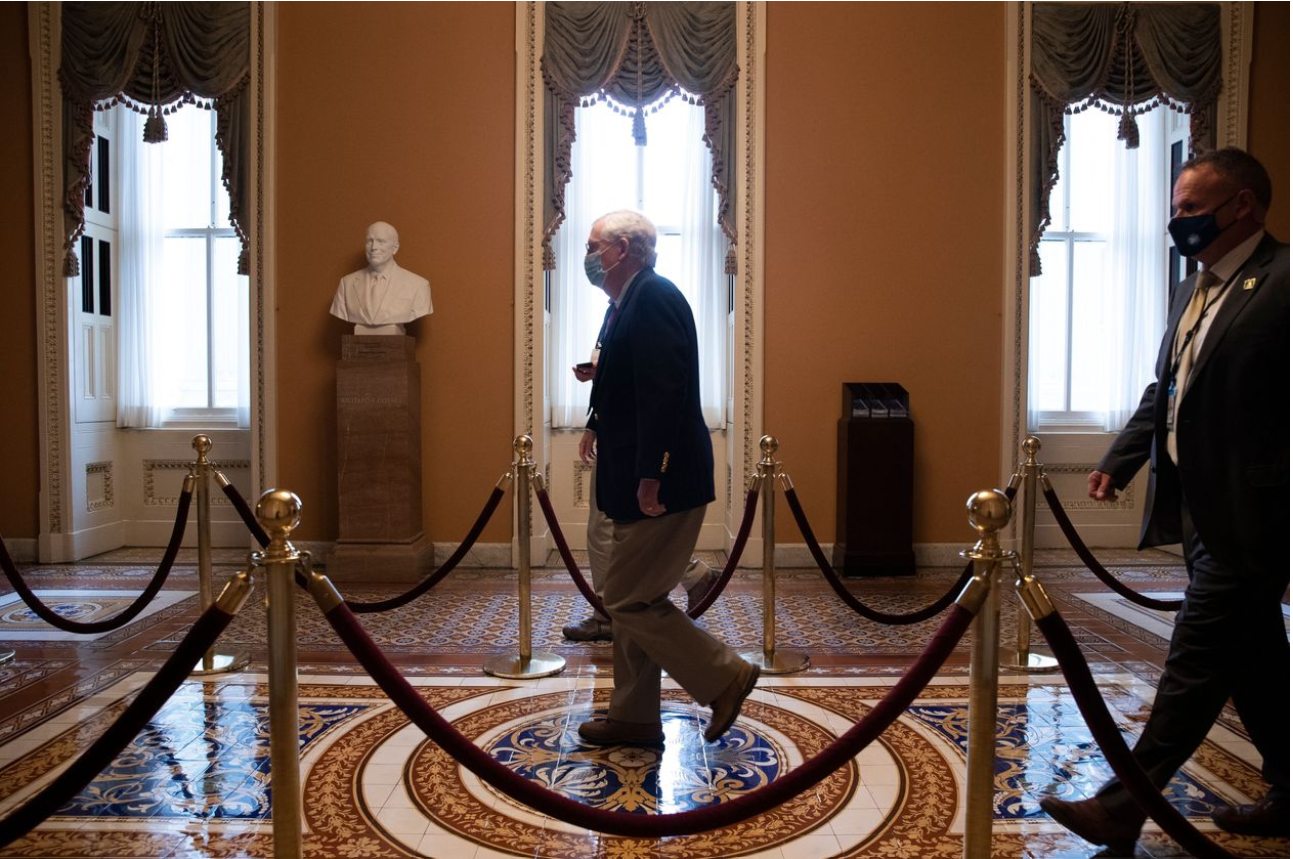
pixel 594 269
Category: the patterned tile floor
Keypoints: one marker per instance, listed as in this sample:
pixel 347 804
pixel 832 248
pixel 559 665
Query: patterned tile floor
pixel 196 782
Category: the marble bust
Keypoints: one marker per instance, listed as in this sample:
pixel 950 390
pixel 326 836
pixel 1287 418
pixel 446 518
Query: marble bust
pixel 381 298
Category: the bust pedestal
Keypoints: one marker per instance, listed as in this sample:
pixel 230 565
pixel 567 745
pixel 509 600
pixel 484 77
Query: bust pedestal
pixel 379 463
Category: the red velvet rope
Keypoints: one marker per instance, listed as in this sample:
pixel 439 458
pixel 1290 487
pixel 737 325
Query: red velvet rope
pixel 408 596
pixel 833 579
pixel 563 548
pixel 1106 734
pixel 445 569
pixel 141 710
pixel 1075 540
pixel 244 511
pixel 127 614
pixel 577 576
pixel 733 558
pixel 548 802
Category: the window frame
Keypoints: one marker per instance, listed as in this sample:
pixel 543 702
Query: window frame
pixel 222 417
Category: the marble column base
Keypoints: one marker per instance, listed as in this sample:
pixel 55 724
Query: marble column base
pixel 382 562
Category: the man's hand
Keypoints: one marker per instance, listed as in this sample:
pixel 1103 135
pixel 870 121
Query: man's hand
pixel 649 497
pixel 588 446
pixel 1100 486
pixel 584 372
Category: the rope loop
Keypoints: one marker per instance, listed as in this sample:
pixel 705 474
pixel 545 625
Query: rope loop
pixel 1075 540
pixel 632 824
pixel 130 612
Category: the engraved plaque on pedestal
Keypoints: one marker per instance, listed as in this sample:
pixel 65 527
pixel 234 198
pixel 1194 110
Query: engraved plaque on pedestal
pixel 379 463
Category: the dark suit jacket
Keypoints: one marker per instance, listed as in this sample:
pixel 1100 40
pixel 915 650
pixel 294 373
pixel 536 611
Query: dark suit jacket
pixel 1233 434
pixel 645 403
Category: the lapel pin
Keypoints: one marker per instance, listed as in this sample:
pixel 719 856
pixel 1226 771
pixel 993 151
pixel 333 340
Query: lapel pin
pixel 1250 283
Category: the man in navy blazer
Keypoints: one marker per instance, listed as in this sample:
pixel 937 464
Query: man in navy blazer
pixel 655 476
pixel 1215 430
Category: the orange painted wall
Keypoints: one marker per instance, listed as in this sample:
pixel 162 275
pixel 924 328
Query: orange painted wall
pixel 19 441
pixel 885 152
pixel 1268 106
pixel 400 112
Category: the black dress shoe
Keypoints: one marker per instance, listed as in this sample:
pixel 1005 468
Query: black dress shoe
pixel 589 629
pixel 1088 819
pixel 727 706
pixel 1268 817
pixel 612 732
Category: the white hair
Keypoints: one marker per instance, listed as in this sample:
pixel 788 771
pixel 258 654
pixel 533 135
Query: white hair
pixel 634 226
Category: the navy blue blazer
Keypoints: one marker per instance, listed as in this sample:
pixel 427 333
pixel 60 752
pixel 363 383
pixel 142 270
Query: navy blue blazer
pixel 645 403
pixel 1233 432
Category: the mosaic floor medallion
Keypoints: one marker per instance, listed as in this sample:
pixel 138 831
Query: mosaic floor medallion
pixel 19 623
pixel 535 736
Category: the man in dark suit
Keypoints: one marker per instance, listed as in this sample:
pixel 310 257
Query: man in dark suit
pixel 655 476
pixel 1215 430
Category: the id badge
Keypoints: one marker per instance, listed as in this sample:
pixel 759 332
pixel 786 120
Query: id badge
pixel 1171 406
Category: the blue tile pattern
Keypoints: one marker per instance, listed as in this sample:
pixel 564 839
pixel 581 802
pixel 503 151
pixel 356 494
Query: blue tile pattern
pixel 1046 748
pixel 684 775
pixel 199 758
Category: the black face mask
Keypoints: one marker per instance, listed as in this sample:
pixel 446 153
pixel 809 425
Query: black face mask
pixel 1194 234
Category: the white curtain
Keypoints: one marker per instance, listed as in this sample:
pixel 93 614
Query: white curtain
pixel 141 230
pixel 603 162
pixel 1117 309
pixel 1137 282
pixel 702 279
pixel 161 320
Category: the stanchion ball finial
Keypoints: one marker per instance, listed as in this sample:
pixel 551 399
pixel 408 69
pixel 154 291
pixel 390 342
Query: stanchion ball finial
pixel 202 444
pixel 989 511
pixel 769 444
pixel 278 511
pixel 1032 445
pixel 523 445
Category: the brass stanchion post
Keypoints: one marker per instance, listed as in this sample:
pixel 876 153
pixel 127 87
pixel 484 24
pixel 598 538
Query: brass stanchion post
pixel 212 662
pixel 769 660
pixel 279 512
pixel 1021 657
pixel 989 512
pixel 527 665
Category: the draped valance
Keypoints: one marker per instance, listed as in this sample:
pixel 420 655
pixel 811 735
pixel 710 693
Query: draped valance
pixel 1124 58
pixel 155 57
pixel 635 55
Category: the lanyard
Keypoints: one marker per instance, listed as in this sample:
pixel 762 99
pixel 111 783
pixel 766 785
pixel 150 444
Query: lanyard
pixel 1209 303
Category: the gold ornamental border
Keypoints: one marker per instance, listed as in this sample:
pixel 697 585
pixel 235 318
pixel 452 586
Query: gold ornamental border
pixel 435 783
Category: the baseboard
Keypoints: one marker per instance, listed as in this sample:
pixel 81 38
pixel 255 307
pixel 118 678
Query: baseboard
pixel 1094 536
pixel 927 555
pixel 94 541
pixel 23 549
pixel 157 532
pixel 481 556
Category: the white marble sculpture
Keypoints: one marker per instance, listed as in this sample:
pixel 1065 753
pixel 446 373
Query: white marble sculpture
pixel 381 298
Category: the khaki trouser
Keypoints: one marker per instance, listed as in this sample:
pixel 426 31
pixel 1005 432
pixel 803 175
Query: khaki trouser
pixel 645 562
pixel 600 537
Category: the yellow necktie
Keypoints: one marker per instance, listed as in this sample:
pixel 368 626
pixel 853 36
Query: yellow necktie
pixel 1187 345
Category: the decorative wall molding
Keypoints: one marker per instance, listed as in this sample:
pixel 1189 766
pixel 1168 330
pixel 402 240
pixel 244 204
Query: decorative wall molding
pixel 43 35
pixel 157 471
pixel 583 475
pixel 1126 497
pixel 1236 24
pixel 102 499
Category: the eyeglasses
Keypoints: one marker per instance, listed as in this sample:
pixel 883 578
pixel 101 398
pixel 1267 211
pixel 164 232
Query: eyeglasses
pixel 593 248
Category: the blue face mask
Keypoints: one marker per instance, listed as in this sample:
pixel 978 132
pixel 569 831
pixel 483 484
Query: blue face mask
pixel 1194 234
pixel 594 269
